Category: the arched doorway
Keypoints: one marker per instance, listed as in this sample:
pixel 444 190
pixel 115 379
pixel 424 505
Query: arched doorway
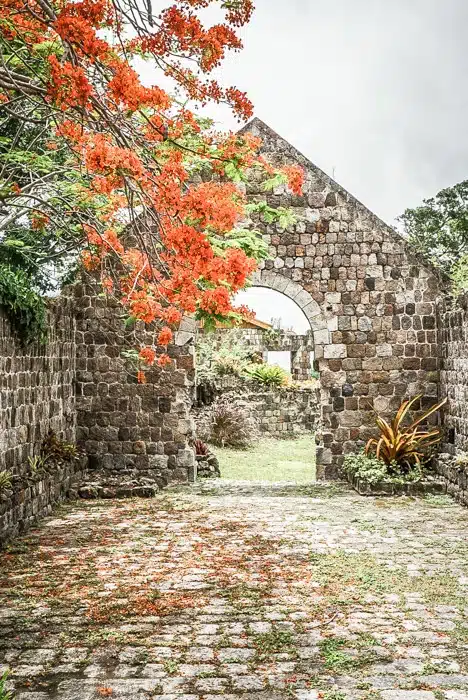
pixel 322 324
pixel 287 337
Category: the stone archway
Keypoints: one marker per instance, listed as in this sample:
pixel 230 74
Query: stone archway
pixel 322 324
pixel 305 301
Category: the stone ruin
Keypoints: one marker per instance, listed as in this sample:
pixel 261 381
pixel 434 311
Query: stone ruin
pixel 381 329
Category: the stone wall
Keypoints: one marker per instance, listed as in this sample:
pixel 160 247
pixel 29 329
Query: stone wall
pixel 453 344
pixel 79 385
pixel 281 412
pixel 455 475
pixel 37 394
pixel 261 341
pixel 371 303
pixel 125 427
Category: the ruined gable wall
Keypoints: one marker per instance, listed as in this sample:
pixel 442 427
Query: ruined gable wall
pixel 376 334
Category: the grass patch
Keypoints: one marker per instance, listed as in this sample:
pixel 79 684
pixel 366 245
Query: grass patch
pixel 171 667
pixel 243 596
pixel 270 460
pixel 345 655
pixel 439 501
pixel 273 642
pixel 333 695
pixel 347 578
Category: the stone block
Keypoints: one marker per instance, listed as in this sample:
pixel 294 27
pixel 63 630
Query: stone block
pixel 335 351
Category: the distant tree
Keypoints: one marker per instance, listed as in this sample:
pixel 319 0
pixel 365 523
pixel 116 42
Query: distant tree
pixel 439 230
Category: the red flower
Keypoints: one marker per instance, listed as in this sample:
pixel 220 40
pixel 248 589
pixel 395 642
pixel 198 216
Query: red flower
pixel 141 377
pixel 295 175
pixel 148 355
pixel 164 336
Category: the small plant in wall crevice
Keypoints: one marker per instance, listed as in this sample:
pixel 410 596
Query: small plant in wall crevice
pixel 201 448
pixel 5 480
pixel 5 693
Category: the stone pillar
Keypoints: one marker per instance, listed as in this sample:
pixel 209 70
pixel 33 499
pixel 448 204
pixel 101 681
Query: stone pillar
pixel 126 427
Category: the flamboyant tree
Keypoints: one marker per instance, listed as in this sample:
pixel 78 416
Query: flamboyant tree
pixel 126 175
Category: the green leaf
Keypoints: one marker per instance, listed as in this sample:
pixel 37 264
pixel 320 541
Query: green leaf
pixel 233 173
pixel 12 243
pixel 276 181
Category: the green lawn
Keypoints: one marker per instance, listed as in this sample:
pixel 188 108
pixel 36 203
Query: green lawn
pixel 270 460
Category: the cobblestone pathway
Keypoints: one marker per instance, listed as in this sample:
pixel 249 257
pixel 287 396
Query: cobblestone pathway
pixel 240 590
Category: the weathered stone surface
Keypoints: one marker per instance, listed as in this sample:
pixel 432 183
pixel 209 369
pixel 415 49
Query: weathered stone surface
pixel 79 385
pixel 240 590
pixel 259 342
pixel 275 411
pixel 207 466
pixel 36 395
pixel 370 302
pixel 137 434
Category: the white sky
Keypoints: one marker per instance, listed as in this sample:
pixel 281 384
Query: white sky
pixel 269 304
pixel 374 92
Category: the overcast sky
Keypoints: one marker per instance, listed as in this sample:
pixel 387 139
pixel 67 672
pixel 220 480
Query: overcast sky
pixel 372 91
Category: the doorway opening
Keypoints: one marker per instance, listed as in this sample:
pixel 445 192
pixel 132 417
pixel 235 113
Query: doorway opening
pixel 277 388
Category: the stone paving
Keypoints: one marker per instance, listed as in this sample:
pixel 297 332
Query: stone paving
pixel 240 590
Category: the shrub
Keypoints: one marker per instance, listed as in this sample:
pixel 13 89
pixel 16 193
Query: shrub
pixel 23 306
pixel 220 354
pixel 404 446
pixel 227 424
pixel 227 365
pixel 366 467
pixel 5 480
pixel 272 375
pixel 373 470
pixel 56 450
pixel 201 448
pixel 37 465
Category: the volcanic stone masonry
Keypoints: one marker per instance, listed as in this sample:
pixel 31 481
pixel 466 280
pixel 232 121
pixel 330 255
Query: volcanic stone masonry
pixel 261 341
pixel 126 428
pixel 79 385
pixel 371 304
pixel 279 412
pixel 36 395
pixel 370 301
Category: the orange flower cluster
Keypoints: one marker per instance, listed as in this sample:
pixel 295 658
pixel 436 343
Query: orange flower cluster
pixel 148 355
pixel 69 86
pixel 127 90
pixel 137 150
pixel 213 205
pixel 141 377
pixel 295 175
pixel 165 336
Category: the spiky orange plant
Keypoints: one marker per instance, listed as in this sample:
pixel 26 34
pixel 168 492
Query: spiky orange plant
pixel 404 445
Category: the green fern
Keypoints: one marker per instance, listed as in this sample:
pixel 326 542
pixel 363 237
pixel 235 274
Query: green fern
pixel 4 693
pixel 5 482
pixel 268 374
